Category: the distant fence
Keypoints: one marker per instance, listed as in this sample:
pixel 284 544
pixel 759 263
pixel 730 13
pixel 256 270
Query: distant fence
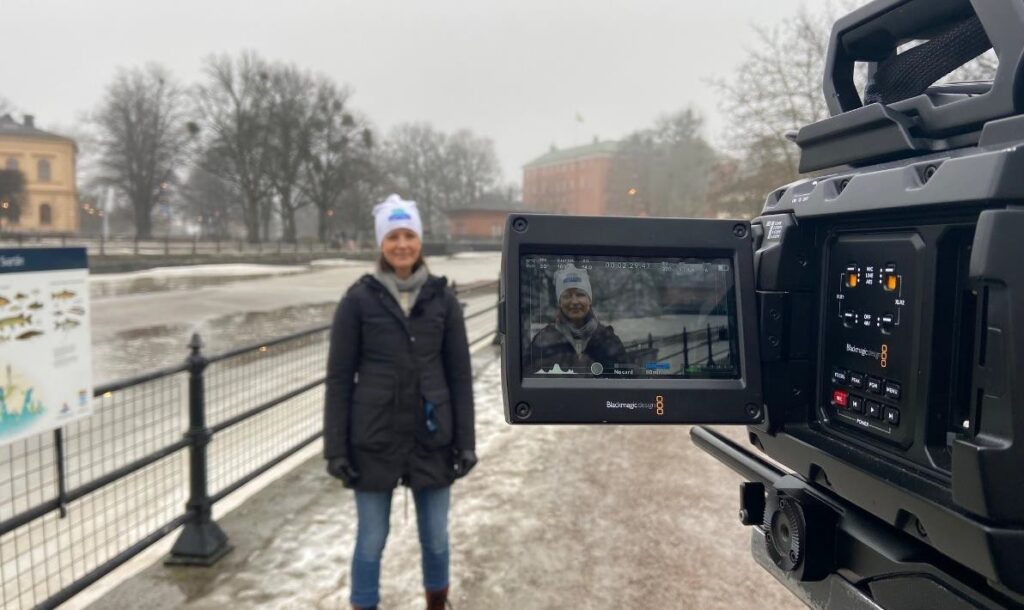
pixel 188 246
pixel 80 501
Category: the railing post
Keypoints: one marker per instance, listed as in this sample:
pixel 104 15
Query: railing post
pixel 498 309
pixel 686 349
pixel 201 541
pixel 711 355
pixel 62 481
pixel 102 246
pixel 167 245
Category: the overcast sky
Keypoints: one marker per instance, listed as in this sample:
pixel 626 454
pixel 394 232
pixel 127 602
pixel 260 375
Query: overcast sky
pixel 518 72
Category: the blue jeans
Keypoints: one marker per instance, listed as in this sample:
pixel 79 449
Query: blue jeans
pixel 374 512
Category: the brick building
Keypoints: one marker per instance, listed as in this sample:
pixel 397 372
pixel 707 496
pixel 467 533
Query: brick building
pixel 484 221
pixel 570 181
pixel 47 162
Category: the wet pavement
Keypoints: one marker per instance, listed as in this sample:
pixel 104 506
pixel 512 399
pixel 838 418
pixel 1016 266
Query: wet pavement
pixel 553 517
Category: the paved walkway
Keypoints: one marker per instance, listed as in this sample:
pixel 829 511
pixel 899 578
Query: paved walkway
pixel 553 517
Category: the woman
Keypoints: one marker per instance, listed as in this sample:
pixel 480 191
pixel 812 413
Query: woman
pixel 399 401
pixel 576 341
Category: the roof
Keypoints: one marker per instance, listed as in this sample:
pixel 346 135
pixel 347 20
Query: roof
pixel 491 203
pixel 596 149
pixel 10 127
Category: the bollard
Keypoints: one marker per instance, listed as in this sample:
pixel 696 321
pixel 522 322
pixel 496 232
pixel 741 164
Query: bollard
pixel 202 542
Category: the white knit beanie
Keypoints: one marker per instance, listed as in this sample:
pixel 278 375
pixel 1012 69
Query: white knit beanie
pixel 396 213
pixel 571 277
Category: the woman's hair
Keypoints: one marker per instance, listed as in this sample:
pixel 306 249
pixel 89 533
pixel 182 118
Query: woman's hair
pixel 384 265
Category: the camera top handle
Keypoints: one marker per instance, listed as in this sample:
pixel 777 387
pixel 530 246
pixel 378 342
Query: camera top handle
pixel 901 117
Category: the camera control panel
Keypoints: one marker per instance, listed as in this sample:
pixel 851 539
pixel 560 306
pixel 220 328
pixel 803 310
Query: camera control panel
pixel 869 330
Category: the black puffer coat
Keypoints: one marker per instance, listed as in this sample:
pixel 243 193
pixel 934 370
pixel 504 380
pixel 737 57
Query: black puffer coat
pixel 550 347
pixel 381 368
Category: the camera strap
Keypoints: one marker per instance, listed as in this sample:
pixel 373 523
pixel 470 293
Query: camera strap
pixel 910 73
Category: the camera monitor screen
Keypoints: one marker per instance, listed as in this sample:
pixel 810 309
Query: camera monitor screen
pixel 628 320
pixel 624 317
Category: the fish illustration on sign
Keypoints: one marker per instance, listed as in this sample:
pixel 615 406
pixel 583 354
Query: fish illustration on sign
pixel 4 302
pixel 20 296
pixel 63 295
pixel 29 335
pixel 67 324
pixel 19 320
pixel 77 310
pixel 36 305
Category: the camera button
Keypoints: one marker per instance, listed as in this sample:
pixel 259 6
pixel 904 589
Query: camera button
pixel 856 380
pixel 874 409
pixel 874 385
pixel 856 404
pixel 839 398
pixel 892 416
pixel 893 390
pixel 840 376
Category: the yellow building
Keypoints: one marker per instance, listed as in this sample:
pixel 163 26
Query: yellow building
pixel 47 161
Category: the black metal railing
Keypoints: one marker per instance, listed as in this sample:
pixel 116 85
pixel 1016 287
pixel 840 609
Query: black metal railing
pixel 78 502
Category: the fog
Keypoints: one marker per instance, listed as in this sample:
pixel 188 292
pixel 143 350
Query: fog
pixel 526 74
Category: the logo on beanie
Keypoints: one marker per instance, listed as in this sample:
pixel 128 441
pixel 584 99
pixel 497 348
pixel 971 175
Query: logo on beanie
pixel 573 279
pixel 399 214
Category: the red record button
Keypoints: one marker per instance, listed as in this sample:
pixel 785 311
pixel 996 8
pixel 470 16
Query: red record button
pixel 839 398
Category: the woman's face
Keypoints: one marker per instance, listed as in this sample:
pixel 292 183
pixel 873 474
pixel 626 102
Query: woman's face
pixel 401 249
pixel 575 305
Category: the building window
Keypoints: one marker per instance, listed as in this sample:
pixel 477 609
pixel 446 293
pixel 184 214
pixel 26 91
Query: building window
pixel 43 170
pixel 45 214
pixel 12 163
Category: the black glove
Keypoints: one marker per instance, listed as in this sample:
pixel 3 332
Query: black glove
pixel 340 468
pixel 465 459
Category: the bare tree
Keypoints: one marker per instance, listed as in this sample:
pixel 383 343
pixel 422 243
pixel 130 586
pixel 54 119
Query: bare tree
pixel 212 202
pixel 339 158
pixel 440 171
pixel 142 136
pixel 415 165
pixel 290 122
pixel 234 104
pixel 6 107
pixel 663 170
pixel 472 169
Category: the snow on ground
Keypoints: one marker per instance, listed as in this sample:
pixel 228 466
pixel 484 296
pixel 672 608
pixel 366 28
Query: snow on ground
pixel 553 517
pixel 224 270
pixel 337 262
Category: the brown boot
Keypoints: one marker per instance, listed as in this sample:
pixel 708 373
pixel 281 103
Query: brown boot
pixel 438 600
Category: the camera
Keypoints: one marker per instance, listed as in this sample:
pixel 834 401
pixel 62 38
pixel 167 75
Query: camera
pixel 867 328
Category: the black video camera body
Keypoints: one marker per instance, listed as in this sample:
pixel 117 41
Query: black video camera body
pixel 868 327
